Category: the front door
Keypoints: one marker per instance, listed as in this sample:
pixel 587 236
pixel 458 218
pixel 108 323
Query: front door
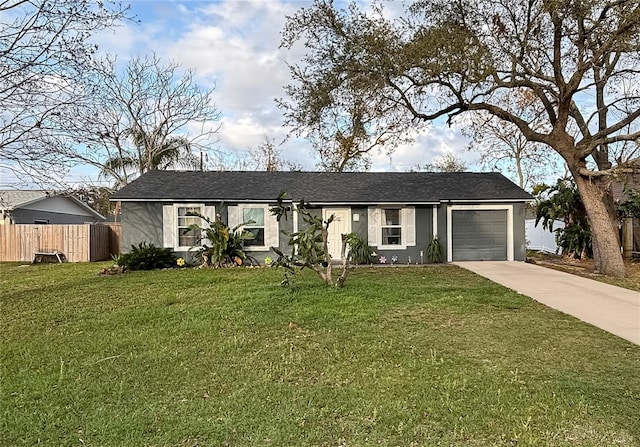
pixel 341 225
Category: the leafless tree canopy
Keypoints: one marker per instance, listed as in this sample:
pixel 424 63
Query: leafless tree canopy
pixel 448 162
pixel 503 148
pixel 268 157
pixel 148 115
pixel 44 49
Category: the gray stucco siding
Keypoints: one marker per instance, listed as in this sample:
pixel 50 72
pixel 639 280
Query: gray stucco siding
pixel 222 209
pixel 141 222
pixel 411 254
pixel 359 226
pixel 519 237
pixel 442 232
pixel 283 241
pixel 423 228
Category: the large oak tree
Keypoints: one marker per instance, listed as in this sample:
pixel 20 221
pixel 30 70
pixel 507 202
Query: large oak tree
pixel 442 58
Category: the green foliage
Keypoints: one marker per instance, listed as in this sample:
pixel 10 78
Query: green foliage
pixel 562 202
pixel 97 197
pixel 359 251
pixel 575 240
pixel 434 250
pixel 147 257
pixel 308 246
pixel 630 207
pixel 226 245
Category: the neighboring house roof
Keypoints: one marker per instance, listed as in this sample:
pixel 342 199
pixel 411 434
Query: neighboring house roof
pixel 322 187
pixel 12 199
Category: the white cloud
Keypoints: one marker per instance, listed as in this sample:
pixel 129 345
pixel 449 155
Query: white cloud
pixel 234 46
pixel 433 141
pixel 237 43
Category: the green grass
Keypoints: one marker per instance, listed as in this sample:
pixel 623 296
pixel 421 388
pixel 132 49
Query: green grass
pixel 399 357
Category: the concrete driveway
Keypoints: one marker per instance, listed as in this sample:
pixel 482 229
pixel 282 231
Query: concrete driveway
pixel 611 308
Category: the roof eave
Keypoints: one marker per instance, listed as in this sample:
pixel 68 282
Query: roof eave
pixel 323 203
pixel 519 199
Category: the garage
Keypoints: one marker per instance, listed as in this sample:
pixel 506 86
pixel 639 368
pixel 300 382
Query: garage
pixel 479 235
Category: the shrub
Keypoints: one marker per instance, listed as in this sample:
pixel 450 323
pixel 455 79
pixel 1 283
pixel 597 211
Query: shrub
pixel 562 202
pixel 147 257
pixel 226 244
pixel 575 241
pixel 359 251
pixel 434 250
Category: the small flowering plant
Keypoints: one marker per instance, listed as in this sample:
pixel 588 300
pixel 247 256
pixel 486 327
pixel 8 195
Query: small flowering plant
pixel 180 262
pixel 394 259
pixel 383 260
pixel 268 260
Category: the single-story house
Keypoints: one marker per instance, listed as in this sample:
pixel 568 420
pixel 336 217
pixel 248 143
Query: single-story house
pixel 43 207
pixel 476 216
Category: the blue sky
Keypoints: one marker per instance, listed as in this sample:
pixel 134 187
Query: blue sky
pixel 234 45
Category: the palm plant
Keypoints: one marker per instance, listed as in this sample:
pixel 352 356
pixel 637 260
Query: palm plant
pixel 152 150
pixel 562 202
pixel 226 244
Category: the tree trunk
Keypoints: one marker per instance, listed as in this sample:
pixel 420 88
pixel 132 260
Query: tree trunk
pixel 606 246
pixel 518 159
pixel 345 262
pixel 325 246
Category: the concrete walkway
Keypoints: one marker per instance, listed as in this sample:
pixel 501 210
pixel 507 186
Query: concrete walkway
pixel 611 308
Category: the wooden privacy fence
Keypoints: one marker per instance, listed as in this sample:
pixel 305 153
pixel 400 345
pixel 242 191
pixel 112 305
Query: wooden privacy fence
pixel 78 243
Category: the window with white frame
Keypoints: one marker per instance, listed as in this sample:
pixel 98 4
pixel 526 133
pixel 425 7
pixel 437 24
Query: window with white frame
pixel 188 237
pixel 255 225
pixel 264 226
pixel 391 226
pixel 176 221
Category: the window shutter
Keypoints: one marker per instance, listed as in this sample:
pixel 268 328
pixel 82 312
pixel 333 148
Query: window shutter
pixel 233 216
pixel 409 225
pixel 373 228
pixel 272 233
pixel 168 226
pixel 210 212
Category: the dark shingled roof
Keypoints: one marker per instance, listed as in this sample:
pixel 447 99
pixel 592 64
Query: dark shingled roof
pixel 322 187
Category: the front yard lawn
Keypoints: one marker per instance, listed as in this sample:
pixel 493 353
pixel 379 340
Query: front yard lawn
pixel 399 357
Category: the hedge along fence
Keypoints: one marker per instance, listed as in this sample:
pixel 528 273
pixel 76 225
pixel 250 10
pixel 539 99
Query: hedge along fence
pixel 79 243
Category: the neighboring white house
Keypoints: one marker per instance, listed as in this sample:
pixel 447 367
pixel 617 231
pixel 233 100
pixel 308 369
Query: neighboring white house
pixel 42 207
pixel 540 239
